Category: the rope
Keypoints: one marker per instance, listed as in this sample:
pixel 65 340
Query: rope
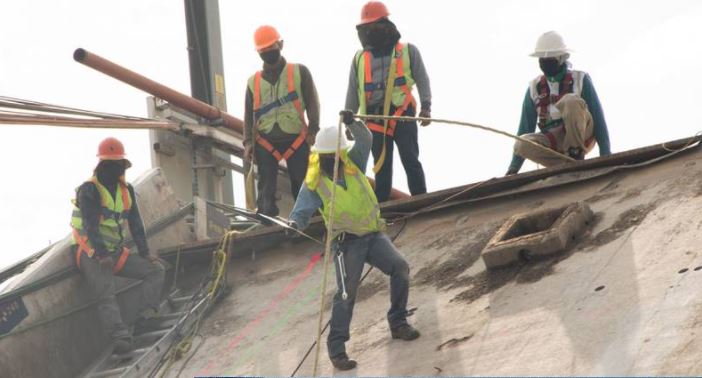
pixel 327 248
pixel 490 129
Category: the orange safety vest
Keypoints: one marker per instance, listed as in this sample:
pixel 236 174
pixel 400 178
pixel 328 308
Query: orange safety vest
pixel 400 82
pixel 293 97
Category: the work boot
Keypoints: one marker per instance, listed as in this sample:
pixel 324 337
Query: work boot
pixel 404 332
pixel 123 345
pixel 576 153
pixel 342 362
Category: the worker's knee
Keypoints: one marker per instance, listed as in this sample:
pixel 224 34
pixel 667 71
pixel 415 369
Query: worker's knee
pixel 571 105
pixel 401 269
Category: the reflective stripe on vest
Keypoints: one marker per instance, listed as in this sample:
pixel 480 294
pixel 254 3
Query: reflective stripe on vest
pixel 114 212
pixel 285 109
pixel 356 210
pixel 401 87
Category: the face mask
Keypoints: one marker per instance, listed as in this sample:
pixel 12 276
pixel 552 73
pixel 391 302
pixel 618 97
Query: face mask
pixel 327 165
pixel 110 171
pixel 270 56
pixel 378 37
pixel 550 66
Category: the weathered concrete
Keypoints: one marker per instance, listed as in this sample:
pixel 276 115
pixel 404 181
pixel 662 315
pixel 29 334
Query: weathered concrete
pixel 612 304
pixel 539 233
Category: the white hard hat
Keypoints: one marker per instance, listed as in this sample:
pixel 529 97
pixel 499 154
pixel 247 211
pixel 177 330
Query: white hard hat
pixel 325 141
pixel 550 45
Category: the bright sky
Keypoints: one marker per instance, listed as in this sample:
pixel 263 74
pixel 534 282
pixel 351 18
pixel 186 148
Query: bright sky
pixel 643 56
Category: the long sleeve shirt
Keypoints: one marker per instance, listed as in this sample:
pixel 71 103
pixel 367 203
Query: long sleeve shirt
pixel 271 73
pixel 380 66
pixel 308 202
pixel 527 123
pixel 88 199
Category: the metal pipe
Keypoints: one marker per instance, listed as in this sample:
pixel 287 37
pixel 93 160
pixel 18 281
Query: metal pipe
pixel 176 98
pixel 156 89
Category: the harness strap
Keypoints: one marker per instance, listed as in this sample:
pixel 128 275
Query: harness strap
pixel 546 98
pixel 291 97
pixel 82 242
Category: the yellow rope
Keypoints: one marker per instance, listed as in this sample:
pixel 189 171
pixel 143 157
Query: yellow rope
pixel 327 249
pixel 450 122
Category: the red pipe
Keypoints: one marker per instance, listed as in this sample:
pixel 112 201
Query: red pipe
pixel 176 98
pixel 161 91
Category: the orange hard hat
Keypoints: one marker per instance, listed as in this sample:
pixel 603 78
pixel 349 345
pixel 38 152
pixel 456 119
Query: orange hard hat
pixel 265 36
pixel 112 149
pixel 372 12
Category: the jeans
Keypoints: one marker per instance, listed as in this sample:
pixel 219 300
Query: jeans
pixel 377 250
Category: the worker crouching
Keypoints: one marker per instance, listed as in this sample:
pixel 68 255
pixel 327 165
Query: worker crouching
pixel 358 232
pixel 104 205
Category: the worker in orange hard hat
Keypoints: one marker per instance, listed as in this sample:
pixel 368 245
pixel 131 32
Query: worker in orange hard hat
pixel 102 207
pixel 383 56
pixel 275 128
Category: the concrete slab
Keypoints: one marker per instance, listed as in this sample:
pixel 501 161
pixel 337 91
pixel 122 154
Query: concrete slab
pixel 623 300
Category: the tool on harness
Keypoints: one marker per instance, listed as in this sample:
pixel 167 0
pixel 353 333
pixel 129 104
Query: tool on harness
pixel 292 97
pixel 342 272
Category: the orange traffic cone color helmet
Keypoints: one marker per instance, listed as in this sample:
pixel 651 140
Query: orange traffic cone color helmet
pixel 265 36
pixel 372 12
pixel 112 149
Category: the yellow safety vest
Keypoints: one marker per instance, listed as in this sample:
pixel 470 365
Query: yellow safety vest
pixel 356 210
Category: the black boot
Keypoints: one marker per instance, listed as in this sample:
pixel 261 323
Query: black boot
pixel 342 362
pixel 404 332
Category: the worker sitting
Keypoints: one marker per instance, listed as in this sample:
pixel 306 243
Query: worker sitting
pixel 103 206
pixel 274 119
pixel 358 232
pixel 564 104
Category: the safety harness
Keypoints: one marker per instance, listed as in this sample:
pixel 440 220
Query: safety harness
pixel 259 111
pixel 80 237
pixel 396 78
pixel 545 100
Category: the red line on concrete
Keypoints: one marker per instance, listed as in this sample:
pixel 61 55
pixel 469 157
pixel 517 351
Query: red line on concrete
pixel 289 288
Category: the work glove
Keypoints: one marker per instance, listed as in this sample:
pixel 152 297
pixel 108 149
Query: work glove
pixel 511 171
pixel 347 117
pixel 248 151
pixel 425 113
pixel 290 232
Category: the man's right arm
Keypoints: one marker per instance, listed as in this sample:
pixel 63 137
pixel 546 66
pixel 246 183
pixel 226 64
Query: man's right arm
pixel 88 199
pixel 527 124
pixel 363 141
pixel 352 90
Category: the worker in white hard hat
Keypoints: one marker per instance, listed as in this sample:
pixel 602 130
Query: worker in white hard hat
pixel 358 232
pixel 564 105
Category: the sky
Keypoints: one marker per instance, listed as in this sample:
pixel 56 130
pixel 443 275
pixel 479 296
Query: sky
pixel 643 56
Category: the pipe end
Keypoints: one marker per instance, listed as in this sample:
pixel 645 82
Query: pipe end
pixel 79 54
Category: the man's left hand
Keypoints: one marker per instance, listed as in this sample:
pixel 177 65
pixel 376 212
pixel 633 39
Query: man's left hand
pixel 310 139
pixel 425 113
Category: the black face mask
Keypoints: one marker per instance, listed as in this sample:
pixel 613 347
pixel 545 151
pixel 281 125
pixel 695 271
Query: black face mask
pixel 109 171
pixel 270 56
pixel 550 66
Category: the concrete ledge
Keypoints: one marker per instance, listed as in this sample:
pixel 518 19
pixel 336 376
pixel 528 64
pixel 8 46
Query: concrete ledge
pixel 540 233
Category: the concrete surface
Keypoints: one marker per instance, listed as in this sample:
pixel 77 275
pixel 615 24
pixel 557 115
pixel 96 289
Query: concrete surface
pixel 623 300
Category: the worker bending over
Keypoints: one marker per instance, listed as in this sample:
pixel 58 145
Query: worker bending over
pixel 564 104
pixel 274 118
pixel 358 233
pixel 104 206
pixel 382 76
